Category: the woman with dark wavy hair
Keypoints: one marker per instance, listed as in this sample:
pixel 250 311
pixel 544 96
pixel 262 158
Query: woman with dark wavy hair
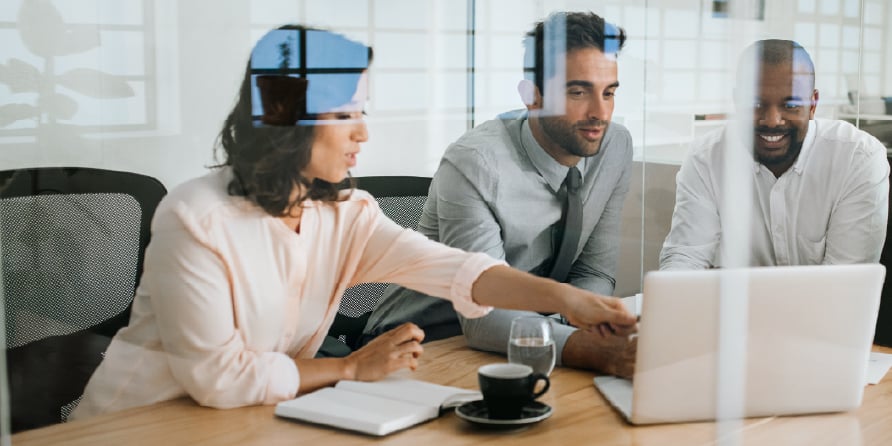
pixel 247 264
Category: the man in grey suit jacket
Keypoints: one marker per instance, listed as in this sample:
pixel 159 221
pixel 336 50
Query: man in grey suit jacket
pixel 500 190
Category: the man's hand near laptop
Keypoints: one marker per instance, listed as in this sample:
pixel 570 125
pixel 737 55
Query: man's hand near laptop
pixel 612 354
pixel 607 348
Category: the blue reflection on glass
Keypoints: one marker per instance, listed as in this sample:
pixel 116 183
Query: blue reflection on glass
pixel 278 49
pixel 328 50
pixel 611 38
pixel 329 71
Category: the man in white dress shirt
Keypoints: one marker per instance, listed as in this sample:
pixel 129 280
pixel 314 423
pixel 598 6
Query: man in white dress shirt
pixel 820 188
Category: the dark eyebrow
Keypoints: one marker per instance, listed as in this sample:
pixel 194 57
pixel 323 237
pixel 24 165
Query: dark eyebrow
pixel 579 84
pixel 587 84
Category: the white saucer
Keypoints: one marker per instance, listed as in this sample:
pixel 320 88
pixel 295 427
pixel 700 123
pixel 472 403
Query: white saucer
pixel 477 413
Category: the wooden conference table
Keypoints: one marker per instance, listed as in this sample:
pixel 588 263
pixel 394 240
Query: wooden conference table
pixel 581 416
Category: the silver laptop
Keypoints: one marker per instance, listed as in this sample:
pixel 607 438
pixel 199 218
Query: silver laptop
pixel 808 333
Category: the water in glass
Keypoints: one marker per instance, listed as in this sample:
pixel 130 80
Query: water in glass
pixel 532 343
pixel 537 353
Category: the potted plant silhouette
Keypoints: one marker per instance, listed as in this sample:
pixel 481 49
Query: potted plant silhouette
pixel 283 97
pixel 50 112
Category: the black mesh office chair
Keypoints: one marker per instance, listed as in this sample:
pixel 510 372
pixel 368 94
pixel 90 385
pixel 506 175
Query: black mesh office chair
pixel 71 245
pixel 401 198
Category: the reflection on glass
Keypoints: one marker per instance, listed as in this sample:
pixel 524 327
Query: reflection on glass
pixel 300 73
pixel 61 75
pixel 675 68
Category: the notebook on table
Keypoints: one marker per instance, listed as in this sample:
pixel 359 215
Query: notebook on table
pixel 809 331
pixel 375 408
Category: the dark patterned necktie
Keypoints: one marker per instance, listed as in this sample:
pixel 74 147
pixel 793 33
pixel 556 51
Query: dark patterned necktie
pixel 572 227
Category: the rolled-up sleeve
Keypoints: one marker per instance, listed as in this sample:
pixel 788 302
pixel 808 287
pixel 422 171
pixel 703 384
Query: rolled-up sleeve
pixel 398 255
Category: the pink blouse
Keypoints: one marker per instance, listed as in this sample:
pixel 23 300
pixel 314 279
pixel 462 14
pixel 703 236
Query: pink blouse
pixel 230 295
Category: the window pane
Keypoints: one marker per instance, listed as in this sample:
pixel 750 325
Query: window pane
pixel 850 37
pixel 338 13
pixel 400 91
pixel 684 54
pixel 677 87
pixel 712 55
pixel 685 23
pixel 641 22
pixel 450 90
pixel 401 50
pixel 829 7
pixel 104 112
pixel 386 15
pixel 105 12
pixel 829 35
pixel 804 33
pixel 807 6
pixel 850 62
pixel 451 15
pixel 872 62
pixel 452 51
pixel 872 85
pixel 523 13
pixel 506 52
pixel 826 61
pixel 320 55
pixel 119 53
pixel 873 38
pixel 873 12
pixel 275 12
pixel 852 8
pixel 714 86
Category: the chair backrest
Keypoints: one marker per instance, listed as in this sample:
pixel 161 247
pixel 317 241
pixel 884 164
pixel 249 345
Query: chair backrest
pixel 883 333
pixel 71 244
pixel 402 199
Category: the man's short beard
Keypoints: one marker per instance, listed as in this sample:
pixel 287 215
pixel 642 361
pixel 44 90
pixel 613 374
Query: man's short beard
pixel 790 155
pixel 565 137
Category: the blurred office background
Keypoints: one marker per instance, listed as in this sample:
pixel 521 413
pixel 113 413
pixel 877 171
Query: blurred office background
pixel 144 85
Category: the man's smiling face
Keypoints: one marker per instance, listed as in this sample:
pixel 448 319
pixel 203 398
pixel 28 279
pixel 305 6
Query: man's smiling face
pixel 784 104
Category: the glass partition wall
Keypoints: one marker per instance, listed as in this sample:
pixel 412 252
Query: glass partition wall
pixel 144 85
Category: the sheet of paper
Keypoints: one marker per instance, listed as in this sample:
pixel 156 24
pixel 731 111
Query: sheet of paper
pixel 633 304
pixel 413 391
pixel 877 367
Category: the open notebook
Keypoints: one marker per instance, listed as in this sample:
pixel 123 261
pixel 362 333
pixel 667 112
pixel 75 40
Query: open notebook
pixel 375 408
pixel 808 329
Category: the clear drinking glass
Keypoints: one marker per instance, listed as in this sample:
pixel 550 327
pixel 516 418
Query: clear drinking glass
pixel 532 343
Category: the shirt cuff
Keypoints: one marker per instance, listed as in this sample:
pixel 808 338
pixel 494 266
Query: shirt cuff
pixel 284 379
pixel 467 274
pixel 561 334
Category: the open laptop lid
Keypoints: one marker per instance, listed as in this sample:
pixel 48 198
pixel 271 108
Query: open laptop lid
pixel 809 332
